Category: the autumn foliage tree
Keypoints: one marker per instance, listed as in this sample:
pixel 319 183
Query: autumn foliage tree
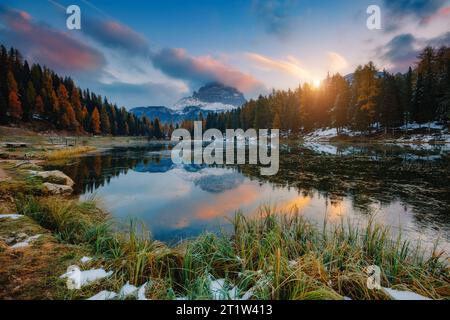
pixel 95 122
pixel 28 93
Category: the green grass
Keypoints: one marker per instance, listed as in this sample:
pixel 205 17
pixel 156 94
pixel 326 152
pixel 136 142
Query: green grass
pixel 278 256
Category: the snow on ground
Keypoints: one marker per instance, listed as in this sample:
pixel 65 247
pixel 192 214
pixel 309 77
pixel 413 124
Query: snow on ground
pixel 430 125
pixel 324 134
pixel 11 216
pixel 85 259
pixel 104 295
pixel 404 295
pixel 82 278
pixel 26 242
pixel 125 292
pixel 440 134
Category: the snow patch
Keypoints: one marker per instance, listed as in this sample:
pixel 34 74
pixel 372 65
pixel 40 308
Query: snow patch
pixel 403 295
pixel 83 278
pixel 26 242
pixel 127 290
pixel 194 102
pixel 103 295
pixel 221 291
pixel 13 216
pixel 85 259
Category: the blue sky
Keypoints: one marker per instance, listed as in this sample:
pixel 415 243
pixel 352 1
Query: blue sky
pixel 154 52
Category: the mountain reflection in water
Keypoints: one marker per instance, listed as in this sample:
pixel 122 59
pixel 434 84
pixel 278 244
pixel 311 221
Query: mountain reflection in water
pixel 403 187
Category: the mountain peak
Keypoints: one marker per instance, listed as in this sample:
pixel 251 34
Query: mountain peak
pixel 213 96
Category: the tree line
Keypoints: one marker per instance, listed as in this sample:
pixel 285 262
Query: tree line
pixel 37 93
pixel 367 100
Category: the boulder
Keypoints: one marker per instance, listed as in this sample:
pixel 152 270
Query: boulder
pixel 55 177
pixel 57 189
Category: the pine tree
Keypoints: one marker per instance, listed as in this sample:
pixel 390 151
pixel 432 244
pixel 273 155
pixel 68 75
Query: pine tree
pixel 157 131
pixel 15 107
pixel 407 96
pixel 30 101
pixel 104 121
pixel 67 115
pixel 341 107
pixel 367 89
pixel 3 85
pixel 76 104
pixel 276 121
pixel 39 105
pixel 95 122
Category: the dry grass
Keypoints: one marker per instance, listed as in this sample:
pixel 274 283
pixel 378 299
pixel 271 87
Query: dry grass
pixel 68 152
pixel 279 256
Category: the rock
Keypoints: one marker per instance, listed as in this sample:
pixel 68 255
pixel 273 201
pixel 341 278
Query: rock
pixel 55 177
pixel 57 189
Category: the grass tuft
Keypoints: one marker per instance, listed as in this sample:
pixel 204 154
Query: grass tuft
pixel 276 256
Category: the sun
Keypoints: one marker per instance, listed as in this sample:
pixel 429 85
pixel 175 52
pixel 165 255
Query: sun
pixel 316 83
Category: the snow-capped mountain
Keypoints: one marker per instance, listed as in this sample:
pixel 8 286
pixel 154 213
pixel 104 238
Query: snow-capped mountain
pixel 213 97
pixel 194 102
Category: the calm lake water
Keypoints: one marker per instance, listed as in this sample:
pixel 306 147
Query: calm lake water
pixel 406 188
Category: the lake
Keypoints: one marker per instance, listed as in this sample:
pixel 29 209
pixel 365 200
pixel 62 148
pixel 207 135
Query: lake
pixel 404 187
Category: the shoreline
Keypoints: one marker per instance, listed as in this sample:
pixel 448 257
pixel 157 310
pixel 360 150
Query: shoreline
pixel 192 268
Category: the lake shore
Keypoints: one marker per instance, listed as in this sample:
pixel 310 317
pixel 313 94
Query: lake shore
pixel 274 256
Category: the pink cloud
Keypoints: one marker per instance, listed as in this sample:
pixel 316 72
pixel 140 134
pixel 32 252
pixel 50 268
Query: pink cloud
pixel 442 12
pixel 176 62
pixel 43 44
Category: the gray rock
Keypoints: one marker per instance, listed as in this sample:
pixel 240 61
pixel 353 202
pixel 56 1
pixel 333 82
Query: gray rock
pixel 57 189
pixel 55 177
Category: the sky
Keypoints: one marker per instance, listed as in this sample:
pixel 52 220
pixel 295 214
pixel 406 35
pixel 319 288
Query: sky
pixel 154 52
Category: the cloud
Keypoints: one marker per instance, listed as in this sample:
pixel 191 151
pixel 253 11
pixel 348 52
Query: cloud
pixel 115 35
pixel 441 13
pixel 336 62
pixel 176 63
pixel 133 95
pixel 400 9
pixel 400 52
pixel 276 15
pixel 48 46
pixel 290 66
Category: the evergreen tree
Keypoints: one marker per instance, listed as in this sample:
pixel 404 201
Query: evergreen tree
pixel 95 122
pixel 366 94
pixel 341 106
pixel 15 107
pixel 104 121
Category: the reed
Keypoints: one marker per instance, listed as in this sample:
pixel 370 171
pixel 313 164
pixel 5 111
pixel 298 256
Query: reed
pixel 276 256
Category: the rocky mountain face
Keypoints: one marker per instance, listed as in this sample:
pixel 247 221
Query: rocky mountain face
pixel 213 97
pixel 216 92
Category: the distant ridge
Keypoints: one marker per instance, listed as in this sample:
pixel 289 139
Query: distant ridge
pixel 213 97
